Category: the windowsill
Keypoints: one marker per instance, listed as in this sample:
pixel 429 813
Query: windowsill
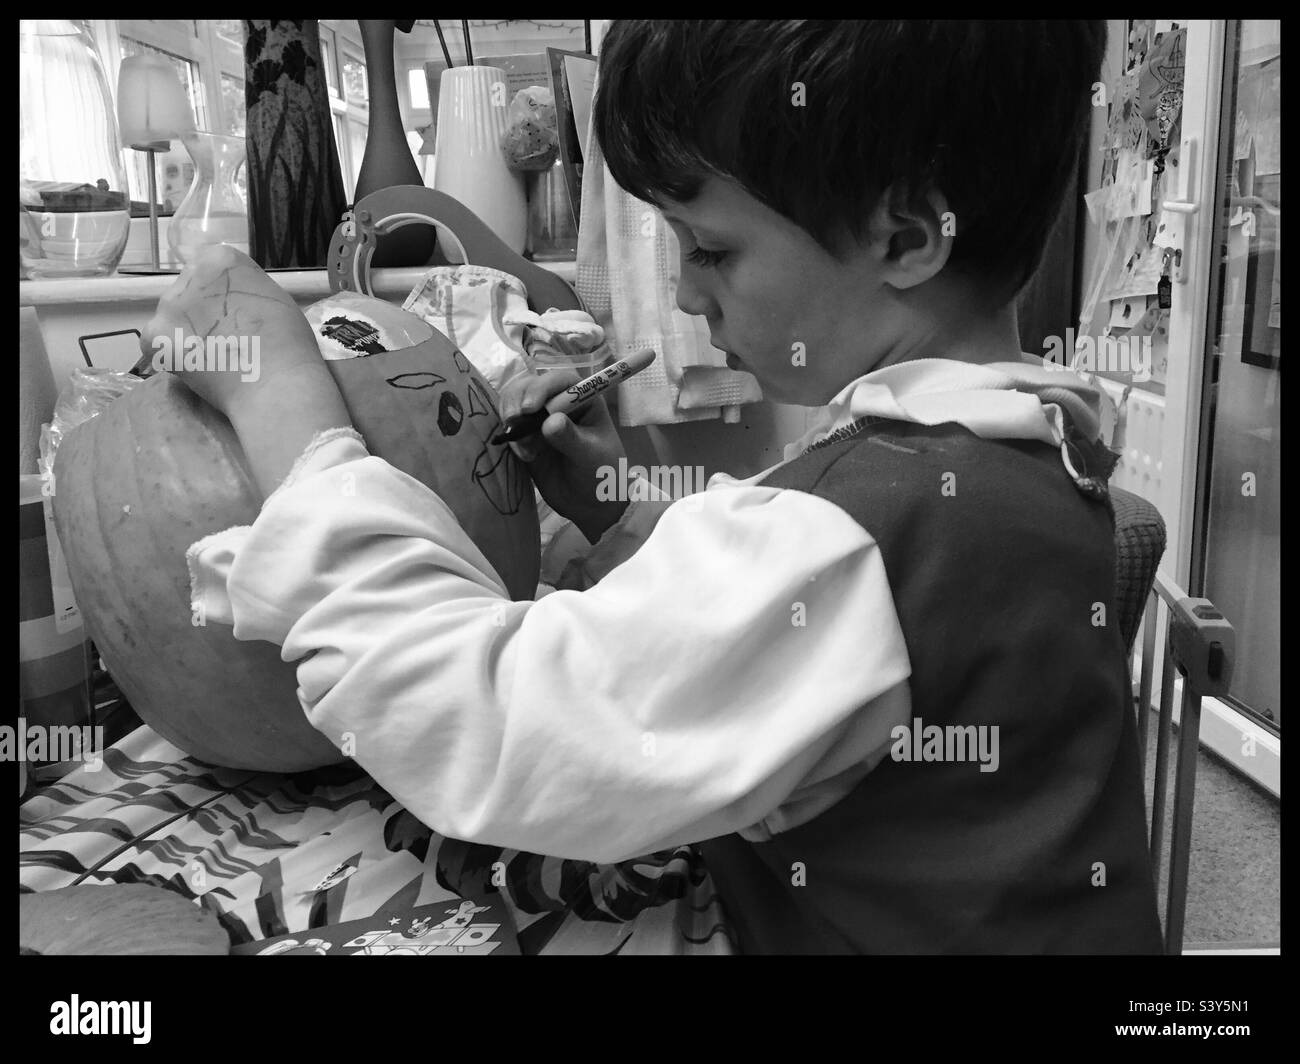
pixel 301 284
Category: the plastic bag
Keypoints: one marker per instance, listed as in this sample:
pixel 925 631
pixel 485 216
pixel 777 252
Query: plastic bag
pixel 532 137
pixel 89 392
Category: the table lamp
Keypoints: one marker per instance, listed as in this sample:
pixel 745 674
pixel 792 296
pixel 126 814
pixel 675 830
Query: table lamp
pixel 152 108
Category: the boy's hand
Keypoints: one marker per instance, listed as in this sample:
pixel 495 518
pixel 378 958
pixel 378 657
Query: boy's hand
pixel 566 457
pixel 275 389
pixel 226 303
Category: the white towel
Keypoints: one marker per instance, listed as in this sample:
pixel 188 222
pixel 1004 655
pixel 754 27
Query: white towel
pixel 627 277
pixel 474 307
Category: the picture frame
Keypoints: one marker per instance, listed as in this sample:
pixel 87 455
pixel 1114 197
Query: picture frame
pixel 571 145
pixel 1261 340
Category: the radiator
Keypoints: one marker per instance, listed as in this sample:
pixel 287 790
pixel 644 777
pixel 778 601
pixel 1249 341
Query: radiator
pixel 1141 428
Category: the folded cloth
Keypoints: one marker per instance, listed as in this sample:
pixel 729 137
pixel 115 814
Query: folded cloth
pixel 475 308
pixel 709 386
pixel 561 338
pixel 628 265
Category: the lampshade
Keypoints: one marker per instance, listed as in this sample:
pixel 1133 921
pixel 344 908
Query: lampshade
pixel 152 107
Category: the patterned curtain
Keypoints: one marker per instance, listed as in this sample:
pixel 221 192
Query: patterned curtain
pixel 295 184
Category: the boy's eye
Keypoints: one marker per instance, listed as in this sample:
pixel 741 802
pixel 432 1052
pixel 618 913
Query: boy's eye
pixel 699 256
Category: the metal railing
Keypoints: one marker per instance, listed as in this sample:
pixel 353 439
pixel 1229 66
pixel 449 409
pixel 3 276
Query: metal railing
pixel 1200 646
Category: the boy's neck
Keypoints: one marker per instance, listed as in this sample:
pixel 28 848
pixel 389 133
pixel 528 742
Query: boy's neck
pixel 959 326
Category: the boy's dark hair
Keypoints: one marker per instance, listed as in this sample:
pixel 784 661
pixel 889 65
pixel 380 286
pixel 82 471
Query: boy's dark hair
pixel 992 113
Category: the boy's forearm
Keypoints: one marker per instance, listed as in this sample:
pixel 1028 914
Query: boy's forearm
pixel 276 421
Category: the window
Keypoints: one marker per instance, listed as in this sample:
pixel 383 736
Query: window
pixel 357 149
pixel 419 86
pixel 329 61
pixel 208 56
pixel 230 31
pixel 354 80
pixel 345 75
pixel 232 104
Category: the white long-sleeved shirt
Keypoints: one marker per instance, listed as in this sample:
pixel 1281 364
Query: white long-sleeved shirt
pixel 740 671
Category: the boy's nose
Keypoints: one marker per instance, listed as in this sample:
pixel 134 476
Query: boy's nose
pixel 691 299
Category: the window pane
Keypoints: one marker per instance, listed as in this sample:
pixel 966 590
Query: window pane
pixel 340 145
pixel 357 146
pixel 230 30
pixel 354 80
pixel 232 103
pixel 327 60
pixel 419 87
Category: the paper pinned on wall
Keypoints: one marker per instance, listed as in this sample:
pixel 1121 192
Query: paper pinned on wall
pixel 1129 195
pixel 1266 122
pixel 1127 313
pixel 1141 275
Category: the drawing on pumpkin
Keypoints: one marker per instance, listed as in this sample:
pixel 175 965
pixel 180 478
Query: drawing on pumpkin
pixel 451 415
pixel 416 381
pixel 479 404
pixel 505 493
pixel 462 363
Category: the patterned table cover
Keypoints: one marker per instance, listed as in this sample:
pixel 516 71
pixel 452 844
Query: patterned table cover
pixel 270 854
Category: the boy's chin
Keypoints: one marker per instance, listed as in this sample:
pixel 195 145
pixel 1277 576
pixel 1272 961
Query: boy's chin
pixel 777 390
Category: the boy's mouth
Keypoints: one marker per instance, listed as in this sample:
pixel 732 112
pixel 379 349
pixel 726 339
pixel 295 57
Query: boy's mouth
pixel 733 362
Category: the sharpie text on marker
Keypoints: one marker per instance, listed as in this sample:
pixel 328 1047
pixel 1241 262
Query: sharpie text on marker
pixel 574 397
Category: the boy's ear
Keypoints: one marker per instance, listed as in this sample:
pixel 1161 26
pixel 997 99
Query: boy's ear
pixel 913 235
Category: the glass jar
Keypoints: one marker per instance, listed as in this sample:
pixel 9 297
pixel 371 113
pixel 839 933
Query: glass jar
pixel 552 236
pixel 73 208
pixel 214 210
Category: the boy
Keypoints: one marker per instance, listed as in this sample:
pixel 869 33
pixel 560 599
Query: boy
pixel 879 683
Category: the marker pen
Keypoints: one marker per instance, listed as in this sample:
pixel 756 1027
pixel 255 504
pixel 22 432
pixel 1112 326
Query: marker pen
pixel 574 397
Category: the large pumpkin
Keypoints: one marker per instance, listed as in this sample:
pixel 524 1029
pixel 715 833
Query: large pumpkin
pixel 159 469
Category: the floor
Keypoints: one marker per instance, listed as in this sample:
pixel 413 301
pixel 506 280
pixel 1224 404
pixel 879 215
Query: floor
pixel 1234 874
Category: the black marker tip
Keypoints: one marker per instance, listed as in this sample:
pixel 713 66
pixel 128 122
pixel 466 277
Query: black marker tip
pixel 520 426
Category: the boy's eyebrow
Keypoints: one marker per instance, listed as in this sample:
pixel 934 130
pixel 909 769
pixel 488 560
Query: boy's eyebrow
pixel 668 216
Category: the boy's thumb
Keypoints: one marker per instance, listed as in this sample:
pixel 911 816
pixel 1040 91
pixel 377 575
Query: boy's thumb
pixel 560 433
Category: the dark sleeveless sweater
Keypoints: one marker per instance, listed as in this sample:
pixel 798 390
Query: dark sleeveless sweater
pixel 996 574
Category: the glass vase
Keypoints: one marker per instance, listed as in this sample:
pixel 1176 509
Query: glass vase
pixel 73 208
pixel 214 210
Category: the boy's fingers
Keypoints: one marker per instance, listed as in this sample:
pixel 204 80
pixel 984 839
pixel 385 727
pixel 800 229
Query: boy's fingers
pixel 561 433
pixel 527 394
pixel 526 449
pixel 558 432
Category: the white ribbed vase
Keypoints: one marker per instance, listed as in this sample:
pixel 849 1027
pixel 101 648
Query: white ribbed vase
pixel 471 165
